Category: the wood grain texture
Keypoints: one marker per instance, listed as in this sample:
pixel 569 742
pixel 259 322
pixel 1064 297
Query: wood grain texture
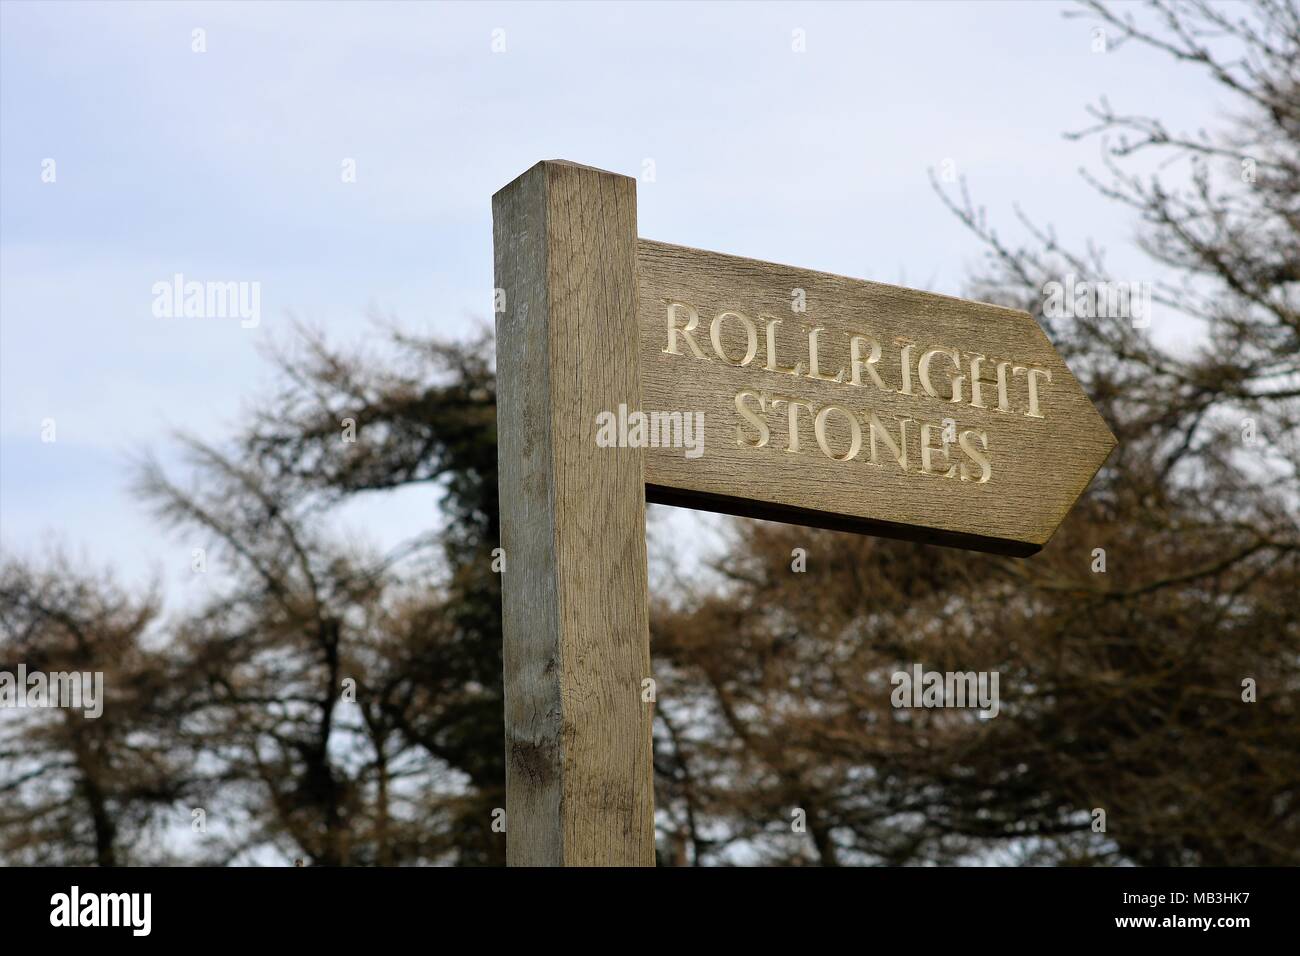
pixel 1039 466
pixel 578 737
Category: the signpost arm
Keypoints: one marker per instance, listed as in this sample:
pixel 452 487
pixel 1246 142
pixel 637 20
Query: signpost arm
pixel 579 783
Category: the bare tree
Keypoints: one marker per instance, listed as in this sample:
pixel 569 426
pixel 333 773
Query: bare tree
pixel 1128 686
pixel 80 787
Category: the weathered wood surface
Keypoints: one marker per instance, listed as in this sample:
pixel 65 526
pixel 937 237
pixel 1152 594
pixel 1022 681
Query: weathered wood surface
pixel 1040 451
pixel 578 736
pixel 822 400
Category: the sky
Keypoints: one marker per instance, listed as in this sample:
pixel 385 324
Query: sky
pixel 229 165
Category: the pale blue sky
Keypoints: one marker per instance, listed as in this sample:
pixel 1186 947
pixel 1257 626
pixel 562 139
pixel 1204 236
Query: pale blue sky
pixel 226 165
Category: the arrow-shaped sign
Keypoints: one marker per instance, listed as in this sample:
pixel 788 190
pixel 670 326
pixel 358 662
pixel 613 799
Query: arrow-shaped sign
pixel 816 399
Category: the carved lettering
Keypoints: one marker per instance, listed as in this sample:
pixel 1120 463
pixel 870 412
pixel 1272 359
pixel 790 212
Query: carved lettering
pixel 931 375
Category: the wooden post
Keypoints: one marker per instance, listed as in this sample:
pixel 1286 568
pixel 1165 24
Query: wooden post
pixel 579 784
pixel 995 440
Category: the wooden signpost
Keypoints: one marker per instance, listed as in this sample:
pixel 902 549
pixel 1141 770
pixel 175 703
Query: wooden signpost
pixel 631 371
